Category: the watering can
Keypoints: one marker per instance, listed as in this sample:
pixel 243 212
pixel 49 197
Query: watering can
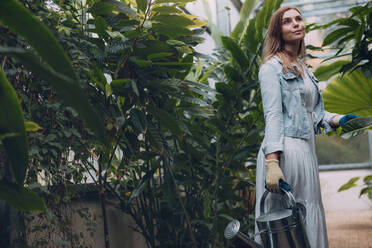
pixel 278 228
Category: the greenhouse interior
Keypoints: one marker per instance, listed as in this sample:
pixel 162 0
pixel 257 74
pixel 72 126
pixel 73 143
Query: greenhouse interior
pixel 185 123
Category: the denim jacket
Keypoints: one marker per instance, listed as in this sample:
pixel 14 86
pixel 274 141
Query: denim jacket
pixel 283 100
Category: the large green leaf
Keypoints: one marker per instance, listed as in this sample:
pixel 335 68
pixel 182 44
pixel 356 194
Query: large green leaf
pixel 101 8
pixel 324 72
pixel 244 18
pixel 351 93
pixel 335 35
pixel 166 10
pixel 142 5
pixel 138 119
pixel 236 52
pixel 172 31
pixel 68 89
pixel 101 27
pixel 11 121
pixel 173 20
pixel 166 120
pixel 249 38
pixel 121 7
pixel 21 198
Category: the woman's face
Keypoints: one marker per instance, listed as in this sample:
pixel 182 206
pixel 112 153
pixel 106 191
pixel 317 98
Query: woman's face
pixel 293 27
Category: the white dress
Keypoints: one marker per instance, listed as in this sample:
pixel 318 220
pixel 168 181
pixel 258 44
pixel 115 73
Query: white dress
pixel 300 168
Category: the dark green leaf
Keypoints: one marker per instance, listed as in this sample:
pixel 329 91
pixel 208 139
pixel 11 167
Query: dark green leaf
pixel 21 198
pixel 138 119
pixel 367 178
pixel 101 27
pixel 250 39
pixel 166 10
pixel 335 35
pixel 121 87
pixel 142 5
pixel 324 72
pixel 365 191
pixel 98 78
pixel 121 7
pixel 236 52
pixel 159 55
pixel 101 8
pixel 11 121
pixel 173 20
pixel 166 120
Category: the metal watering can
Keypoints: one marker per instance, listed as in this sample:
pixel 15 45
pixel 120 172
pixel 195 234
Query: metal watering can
pixel 281 228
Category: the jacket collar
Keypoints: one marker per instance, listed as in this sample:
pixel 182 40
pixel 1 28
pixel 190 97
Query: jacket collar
pixel 276 57
pixel 292 75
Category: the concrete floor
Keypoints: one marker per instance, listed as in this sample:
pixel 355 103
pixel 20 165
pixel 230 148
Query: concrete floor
pixel 349 218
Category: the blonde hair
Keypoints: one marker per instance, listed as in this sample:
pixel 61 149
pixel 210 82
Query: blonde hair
pixel 274 43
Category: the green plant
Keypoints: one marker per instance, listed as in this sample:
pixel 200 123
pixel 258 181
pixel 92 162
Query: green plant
pixel 175 151
pixel 354 31
pixel 350 93
pixel 367 190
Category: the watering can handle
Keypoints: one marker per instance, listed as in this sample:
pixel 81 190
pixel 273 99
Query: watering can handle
pixel 285 190
pixel 283 186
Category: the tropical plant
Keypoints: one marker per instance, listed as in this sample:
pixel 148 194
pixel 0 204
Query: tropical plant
pixel 172 150
pixel 350 93
pixel 353 32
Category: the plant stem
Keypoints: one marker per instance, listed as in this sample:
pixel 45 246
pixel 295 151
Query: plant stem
pixel 103 205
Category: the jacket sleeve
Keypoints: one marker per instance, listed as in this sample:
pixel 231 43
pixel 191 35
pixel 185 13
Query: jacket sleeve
pixel 327 124
pixel 272 108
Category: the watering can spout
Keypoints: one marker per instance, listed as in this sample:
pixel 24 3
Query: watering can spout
pixel 232 230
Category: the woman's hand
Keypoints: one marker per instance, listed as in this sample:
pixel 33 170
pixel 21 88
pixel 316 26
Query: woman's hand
pixel 273 174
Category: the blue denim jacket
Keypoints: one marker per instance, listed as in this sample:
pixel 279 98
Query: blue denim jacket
pixel 283 100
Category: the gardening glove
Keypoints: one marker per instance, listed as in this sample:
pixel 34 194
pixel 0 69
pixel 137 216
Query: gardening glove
pixel 340 120
pixel 273 174
pixel 347 118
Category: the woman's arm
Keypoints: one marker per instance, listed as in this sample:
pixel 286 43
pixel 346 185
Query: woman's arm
pixel 272 107
pixel 330 121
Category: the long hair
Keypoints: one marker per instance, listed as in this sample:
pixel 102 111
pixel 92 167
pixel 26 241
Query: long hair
pixel 274 43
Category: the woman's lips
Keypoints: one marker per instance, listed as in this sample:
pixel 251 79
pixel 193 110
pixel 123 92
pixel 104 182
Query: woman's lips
pixel 298 32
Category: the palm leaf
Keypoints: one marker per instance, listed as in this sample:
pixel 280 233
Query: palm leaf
pixel 351 93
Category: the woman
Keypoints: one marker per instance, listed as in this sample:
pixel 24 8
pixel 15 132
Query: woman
pixel 294 113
